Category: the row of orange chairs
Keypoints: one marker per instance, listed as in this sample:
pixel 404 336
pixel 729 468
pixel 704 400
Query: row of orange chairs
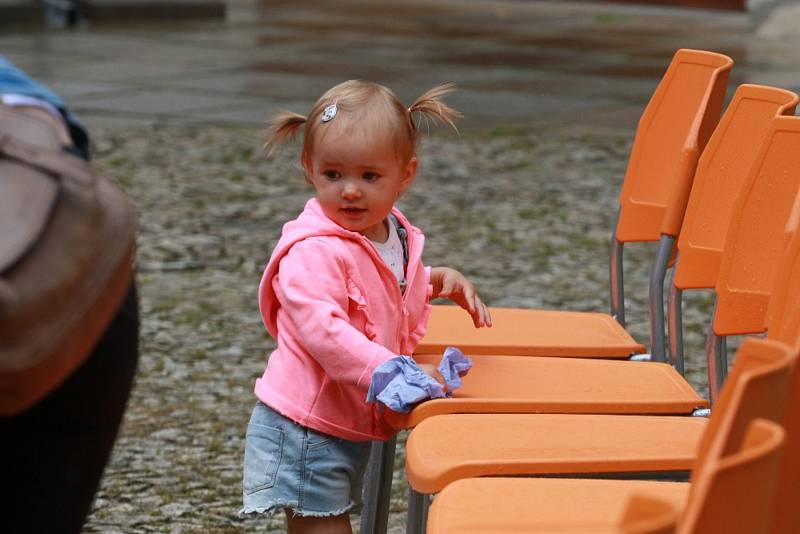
pixel 751 151
pixel 739 484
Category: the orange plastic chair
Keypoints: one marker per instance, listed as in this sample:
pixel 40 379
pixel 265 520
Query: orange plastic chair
pixel 674 128
pixel 731 492
pixel 755 243
pixel 785 326
pixel 725 167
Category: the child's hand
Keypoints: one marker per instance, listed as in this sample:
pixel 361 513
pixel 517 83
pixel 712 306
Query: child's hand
pixel 432 371
pixel 452 284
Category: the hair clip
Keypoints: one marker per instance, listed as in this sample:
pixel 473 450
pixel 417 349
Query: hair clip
pixel 330 111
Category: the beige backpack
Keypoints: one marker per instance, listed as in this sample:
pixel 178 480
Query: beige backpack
pixel 67 238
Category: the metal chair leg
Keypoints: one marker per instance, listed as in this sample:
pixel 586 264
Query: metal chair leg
pixel 417 517
pixel 716 361
pixel 656 301
pixel 616 282
pixel 378 487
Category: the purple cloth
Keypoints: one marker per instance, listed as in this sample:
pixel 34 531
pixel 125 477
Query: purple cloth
pixel 453 366
pixel 399 383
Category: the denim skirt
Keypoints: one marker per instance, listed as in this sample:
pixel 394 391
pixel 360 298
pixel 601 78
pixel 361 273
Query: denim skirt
pixel 289 466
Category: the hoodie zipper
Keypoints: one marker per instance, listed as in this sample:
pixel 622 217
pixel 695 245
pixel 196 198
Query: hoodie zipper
pixel 412 255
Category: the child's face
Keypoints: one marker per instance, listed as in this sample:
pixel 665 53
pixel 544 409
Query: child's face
pixel 357 181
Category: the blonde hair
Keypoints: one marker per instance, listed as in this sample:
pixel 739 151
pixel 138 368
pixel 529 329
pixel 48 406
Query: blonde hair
pixel 370 107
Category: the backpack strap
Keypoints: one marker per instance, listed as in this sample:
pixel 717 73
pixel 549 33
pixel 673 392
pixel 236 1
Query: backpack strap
pixel 55 163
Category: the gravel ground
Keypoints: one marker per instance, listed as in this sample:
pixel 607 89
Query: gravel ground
pixel 526 214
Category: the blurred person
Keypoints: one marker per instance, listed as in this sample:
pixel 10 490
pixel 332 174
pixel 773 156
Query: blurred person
pixel 53 454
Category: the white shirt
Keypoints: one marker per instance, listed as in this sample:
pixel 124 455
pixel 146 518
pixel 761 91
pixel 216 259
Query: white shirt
pixel 391 253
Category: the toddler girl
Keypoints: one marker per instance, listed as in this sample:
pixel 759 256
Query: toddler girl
pixel 345 294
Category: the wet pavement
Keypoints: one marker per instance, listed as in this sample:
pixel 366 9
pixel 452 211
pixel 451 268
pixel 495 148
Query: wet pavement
pixel 522 201
pixel 556 64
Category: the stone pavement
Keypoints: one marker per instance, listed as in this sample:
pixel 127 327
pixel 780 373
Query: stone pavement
pixel 558 64
pixel 522 201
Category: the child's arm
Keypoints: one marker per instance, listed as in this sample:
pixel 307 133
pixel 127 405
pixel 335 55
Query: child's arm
pixel 453 285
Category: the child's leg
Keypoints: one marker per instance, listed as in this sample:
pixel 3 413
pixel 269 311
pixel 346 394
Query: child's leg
pixel 339 524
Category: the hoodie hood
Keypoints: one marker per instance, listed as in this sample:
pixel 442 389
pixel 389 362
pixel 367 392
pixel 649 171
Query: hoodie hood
pixel 312 222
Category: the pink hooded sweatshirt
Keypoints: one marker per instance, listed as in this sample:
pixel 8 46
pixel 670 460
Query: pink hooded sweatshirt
pixel 336 312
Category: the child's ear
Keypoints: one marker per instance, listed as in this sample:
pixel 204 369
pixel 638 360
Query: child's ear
pixel 409 173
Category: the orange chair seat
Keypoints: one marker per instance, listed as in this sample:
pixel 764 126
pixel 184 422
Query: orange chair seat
pixel 523 332
pixel 509 384
pixel 506 505
pixel 447 448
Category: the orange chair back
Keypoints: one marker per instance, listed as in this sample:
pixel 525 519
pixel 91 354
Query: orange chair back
pixel 736 492
pixel 756 388
pixel 783 313
pixel 784 325
pixel 755 241
pixel 720 175
pixel 673 130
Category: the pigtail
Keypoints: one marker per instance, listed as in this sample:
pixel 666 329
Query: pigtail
pixel 430 106
pixel 283 126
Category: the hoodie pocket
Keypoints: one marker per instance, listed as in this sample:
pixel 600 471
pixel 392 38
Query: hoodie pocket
pixel 358 311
